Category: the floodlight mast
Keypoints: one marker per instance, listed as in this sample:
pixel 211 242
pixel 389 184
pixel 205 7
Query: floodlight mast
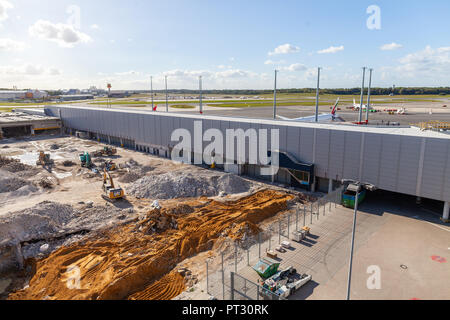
pixel 167 97
pixel 368 96
pixel 317 94
pixel 275 96
pixel 362 96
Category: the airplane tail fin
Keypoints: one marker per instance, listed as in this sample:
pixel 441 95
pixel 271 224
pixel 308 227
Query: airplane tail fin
pixel 333 112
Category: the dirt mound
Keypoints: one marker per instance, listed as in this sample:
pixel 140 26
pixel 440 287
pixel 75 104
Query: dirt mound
pixel 13 165
pixel 51 222
pixel 167 288
pixel 124 262
pixel 11 182
pixel 182 184
pixel 131 176
pixel 43 220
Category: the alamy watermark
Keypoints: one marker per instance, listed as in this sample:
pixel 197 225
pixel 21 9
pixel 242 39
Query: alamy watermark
pixel 374 20
pixel 74 18
pixel 228 150
pixel 374 280
pixel 73 277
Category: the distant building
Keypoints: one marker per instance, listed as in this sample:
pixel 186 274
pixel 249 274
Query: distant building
pixel 72 92
pixel 76 97
pixel 12 95
pixel 36 94
pixel 118 94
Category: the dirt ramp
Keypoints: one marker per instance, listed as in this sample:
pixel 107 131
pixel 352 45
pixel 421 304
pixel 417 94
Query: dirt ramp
pixel 167 288
pixel 126 262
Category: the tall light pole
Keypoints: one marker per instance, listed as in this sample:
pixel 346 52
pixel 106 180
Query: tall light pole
pixel 151 91
pixel 368 96
pixel 359 186
pixel 352 246
pixel 275 96
pixel 317 94
pixel 167 97
pixel 362 96
pixel 200 95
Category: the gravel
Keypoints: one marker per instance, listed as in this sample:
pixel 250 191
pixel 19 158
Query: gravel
pixel 11 182
pixel 56 224
pixel 182 184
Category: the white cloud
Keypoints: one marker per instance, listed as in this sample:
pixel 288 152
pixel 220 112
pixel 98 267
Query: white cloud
pixel 95 26
pixel 128 73
pixel 295 67
pixel 4 7
pixel 331 50
pixel 11 45
pixel 64 35
pixel 428 60
pixel 29 70
pixel 271 62
pixel 391 46
pixel 232 73
pixel 285 49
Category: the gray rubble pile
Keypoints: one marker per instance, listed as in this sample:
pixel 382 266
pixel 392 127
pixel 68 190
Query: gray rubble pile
pixel 56 224
pixel 182 184
pixel 11 182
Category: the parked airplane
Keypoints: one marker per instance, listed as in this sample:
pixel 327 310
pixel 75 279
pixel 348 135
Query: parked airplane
pixel 356 106
pixel 324 117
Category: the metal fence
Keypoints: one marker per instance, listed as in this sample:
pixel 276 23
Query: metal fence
pixel 226 279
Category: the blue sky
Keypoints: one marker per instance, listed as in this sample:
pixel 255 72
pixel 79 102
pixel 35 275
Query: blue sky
pixel 233 44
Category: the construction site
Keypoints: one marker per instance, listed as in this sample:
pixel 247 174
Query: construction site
pixel 95 211
pixel 132 226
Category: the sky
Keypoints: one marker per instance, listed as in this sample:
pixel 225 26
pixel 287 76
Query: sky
pixel 49 44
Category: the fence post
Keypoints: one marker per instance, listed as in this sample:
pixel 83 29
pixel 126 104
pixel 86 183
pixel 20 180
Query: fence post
pixel 304 215
pixel 259 245
pixel 296 219
pixel 232 285
pixel 270 238
pixel 279 231
pixel 289 221
pixel 207 278
pixel 223 281
pixel 318 210
pixel 235 257
pixel 311 213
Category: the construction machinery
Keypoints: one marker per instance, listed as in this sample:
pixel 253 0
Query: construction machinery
pixel 85 159
pixel 106 151
pixel 44 159
pixel 110 165
pixel 110 191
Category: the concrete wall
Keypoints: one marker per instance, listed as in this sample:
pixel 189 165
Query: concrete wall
pixel 406 162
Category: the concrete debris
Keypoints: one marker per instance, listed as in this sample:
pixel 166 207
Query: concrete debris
pixel 13 165
pixel 45 183
pixel 68 163
pixel 11 182
pixel 50 223
pixel 182 184
pixel 54 146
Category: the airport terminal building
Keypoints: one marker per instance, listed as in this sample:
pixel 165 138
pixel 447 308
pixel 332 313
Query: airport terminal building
pixel 314 156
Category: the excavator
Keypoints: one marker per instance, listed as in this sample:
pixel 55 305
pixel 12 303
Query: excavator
pixel 111 193
pixel 44 160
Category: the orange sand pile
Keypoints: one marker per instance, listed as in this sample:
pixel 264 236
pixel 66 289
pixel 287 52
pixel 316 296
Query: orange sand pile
pixel 167 288
pixel 129 262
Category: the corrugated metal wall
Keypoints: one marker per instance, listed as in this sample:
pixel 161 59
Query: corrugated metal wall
pixel 412 165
